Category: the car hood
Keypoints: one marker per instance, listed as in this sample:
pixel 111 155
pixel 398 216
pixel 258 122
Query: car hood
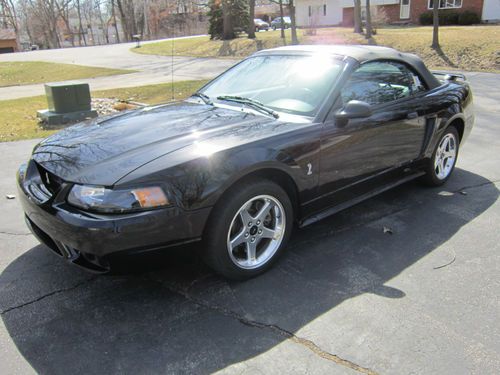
pixel 102 151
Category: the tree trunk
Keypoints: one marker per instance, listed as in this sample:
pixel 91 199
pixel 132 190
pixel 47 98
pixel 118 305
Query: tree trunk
pixel 65 17
pixel 291 7
pixel 358 27
pixel 369 30
pixel 103 25
pixel 81 34
pixel 282 14
pixel 123 17
pixel 251 26
pixel 228 30
pixel 435 21
pixel 114 20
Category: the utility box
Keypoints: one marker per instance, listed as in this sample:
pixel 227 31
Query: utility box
pixel 68 103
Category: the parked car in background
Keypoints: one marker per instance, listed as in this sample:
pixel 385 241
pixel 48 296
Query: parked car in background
pixel 260 25
pixel 247 158
pixel 276 23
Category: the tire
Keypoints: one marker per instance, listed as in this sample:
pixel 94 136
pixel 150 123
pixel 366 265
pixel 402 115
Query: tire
pixel 235 219
pixel 440 166
pixel 274 28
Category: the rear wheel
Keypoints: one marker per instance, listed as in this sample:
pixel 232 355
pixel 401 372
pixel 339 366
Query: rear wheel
pixel 444 158
pixel 247 233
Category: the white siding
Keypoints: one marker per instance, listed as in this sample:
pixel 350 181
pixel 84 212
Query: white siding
pixel 318 18
pixel 491 10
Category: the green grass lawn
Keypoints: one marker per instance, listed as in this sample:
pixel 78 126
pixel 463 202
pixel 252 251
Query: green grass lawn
pixel 469 48
pixel 30 72
pixel 18 116
pixel 204 47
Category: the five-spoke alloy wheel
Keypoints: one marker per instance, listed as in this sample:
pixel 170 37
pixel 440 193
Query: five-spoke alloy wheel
pixel 256 232
pixel 443 159
pixel 248 229
pixel 446 153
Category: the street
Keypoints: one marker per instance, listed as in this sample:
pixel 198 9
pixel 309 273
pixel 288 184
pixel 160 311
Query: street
pixel 420 297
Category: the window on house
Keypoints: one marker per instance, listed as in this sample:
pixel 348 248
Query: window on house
pixel 324 9
pixel 444 4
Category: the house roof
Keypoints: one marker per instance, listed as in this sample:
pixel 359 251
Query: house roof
pixel 362 53
pixel 7 34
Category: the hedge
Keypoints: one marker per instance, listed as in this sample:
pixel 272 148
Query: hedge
pixel 450 17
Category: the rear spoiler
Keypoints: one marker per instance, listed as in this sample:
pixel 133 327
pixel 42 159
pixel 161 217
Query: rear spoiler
pixel 448 76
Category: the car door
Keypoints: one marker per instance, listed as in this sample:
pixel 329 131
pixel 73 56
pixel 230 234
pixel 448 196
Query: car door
pixel 355 152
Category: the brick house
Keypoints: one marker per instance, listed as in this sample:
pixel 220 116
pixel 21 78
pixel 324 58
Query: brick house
pixel 340 12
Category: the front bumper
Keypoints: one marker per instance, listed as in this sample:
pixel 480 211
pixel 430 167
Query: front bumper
pixel 87 239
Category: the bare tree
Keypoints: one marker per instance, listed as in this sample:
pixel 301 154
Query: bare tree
pixel 435 22
pixel 282 18
pixel 369 30
pixel 115 25
pixel 64 9
pixel 291 8
pixel 8 15
pixel 228 31
pixel 103 24
pixel 251 26
pixel 23 11
pixel 282 14
pixel 358 27
pixel 48 15
pixel 89 10
pixel 126 10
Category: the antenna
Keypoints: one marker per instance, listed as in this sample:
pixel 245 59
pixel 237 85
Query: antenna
pixel 172 62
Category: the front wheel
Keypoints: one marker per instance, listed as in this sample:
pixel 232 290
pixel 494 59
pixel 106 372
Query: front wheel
pixel 248 232
pixel 444 158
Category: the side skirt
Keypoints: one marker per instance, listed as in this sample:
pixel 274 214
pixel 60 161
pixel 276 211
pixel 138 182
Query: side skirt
pixel 333 210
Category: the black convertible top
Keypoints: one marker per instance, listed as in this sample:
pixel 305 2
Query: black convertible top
pixel 362 53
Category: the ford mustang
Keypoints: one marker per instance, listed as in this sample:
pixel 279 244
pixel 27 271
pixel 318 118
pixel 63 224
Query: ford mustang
pixel 284 138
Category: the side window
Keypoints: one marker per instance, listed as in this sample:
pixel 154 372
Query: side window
pixel 381 82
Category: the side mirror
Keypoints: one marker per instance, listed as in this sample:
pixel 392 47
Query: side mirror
pixel 353 109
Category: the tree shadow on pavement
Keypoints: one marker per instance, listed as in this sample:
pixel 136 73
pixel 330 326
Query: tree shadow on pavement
pixel 178 317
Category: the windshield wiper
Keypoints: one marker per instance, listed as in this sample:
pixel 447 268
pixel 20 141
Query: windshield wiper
pixel 250 102
pixel 203 97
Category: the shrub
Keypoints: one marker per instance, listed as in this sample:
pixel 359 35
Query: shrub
pixel 425 18
pixel 446 17
pixel 468 18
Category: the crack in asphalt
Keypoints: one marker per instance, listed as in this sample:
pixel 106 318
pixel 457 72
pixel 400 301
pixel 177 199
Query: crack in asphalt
pixel 492 182
pixel 313 347
pixel 54 292
pixel 14 234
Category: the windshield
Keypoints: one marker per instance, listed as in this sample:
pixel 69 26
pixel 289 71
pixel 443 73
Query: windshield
pixel 285 83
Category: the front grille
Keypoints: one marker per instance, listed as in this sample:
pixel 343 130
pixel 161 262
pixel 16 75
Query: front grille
pixel 51 182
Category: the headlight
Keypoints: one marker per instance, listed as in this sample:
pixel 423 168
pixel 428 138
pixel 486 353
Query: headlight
pixel 96 198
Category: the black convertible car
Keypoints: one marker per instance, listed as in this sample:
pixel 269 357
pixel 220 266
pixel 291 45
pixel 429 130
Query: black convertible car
pixel 286 137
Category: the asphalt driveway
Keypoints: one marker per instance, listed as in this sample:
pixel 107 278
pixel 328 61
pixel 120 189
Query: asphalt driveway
pixel 345 298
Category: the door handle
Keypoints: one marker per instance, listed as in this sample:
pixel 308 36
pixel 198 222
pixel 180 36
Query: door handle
pixel 412 115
